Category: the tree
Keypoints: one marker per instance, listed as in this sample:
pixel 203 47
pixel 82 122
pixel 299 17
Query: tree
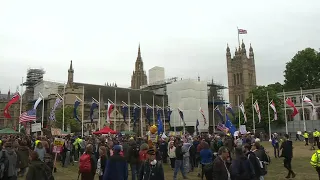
pixel 68 119
pixel 277 87
pixel 260 94
pixel 303 70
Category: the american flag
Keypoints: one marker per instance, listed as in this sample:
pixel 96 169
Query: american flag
pixel 242 31
pixel 28 116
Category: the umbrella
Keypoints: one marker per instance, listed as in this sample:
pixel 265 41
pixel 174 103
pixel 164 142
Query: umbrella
pixel 128 132
pixel 105 130
pixel 8 131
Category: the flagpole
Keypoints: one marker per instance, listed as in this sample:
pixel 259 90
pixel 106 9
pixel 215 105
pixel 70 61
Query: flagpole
pixel 254 123
pixel 269 116
pixel 213 121
pixel 141 126
pixel 285 110
pixel 82 110
pixel 153 110
pixel 115 110
pixel 42 118
pixel 129 110
pixel 164 117
pixel 62 98
pixel 174 121
pixel 20 102
pixel 239 111
pixel 238 36
pixel 304 119
pixel 99 109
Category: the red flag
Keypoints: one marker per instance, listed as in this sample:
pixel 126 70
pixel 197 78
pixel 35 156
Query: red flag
pixel 290 103
pixel 14 99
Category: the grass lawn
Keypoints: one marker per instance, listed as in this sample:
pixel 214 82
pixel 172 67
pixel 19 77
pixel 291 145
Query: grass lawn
pixel 276 171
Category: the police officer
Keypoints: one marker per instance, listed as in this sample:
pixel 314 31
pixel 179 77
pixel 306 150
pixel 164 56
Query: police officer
pixel 306 137
pixel 316 135
pixel 315 161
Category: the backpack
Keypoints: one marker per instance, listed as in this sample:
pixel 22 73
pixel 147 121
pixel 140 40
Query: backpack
pixel 261 164
pixel 4 164
pixel 47 172
pixel 135 152
pixel 85 163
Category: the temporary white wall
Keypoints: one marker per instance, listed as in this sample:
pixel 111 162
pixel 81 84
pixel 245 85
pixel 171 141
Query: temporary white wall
pixel 188 95
pixel 46 88
pixel 156 74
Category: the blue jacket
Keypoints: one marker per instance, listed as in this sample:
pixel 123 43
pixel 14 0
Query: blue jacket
pixel 116 168
pixel 206 156
pixel 275 142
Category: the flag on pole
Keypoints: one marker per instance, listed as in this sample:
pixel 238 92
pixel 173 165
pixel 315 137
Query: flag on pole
pixel 307 100
pixel 181 116
pixel 76 105
pixel 242 31
pixel 52 116
pixel 230 126
pixel 37 102
pixel 273 107
pixel 169 112
pixel 109 110
pixel 197 125
pixel 148 113
pixel 229 108
pixel 204 117
pixel 257 109
pixel 217 110
pixel 28 116
pixel 222 128
pixel 241 106
pixel 94 106
pixel 136 110
pixel 291 104
pixel 124 110
pixel 15 98
pixel 160 124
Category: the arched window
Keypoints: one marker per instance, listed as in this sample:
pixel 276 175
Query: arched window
pixel 318 98
pixel 289 113
pixel 294 100
pixel 307 114
pixel 234 80
pixel 241 80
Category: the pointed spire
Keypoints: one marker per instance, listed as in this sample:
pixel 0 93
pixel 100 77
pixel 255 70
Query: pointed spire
pixel 228 49
pixel 250 49
pixel 139 52
pixel 71 67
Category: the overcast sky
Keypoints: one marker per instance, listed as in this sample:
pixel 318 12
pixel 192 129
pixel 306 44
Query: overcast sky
pixel 186 37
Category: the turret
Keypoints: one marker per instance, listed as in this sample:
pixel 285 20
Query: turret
pixel 70 75
pixel 243 48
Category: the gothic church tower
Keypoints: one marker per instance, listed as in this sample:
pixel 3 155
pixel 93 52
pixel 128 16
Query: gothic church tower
pixel 70 75
pixel 139 76
pixel 241 74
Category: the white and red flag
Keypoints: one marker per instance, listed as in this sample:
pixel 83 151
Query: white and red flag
pixel 109 110
pixel 273 107
pixel 204 117
pixel 14 99
pixel 256 107
pixel 291 104
pixel 307 100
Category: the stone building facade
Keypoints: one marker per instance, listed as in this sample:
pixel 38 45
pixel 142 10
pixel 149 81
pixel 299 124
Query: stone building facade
pixel 241 74
pixel 312 119
pixel 139 77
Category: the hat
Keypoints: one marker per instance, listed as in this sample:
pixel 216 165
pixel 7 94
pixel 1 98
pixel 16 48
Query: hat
pixel 117 147
pixel 151 152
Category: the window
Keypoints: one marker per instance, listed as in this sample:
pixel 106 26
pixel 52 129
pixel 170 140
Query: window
pixel 310 97
pixel 306 114
pixel 241 80
pixel 317 98
pixel 234 79
pixel 294 100
pixel 237 79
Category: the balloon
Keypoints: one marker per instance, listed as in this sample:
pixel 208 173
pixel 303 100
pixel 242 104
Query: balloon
pixel 153 129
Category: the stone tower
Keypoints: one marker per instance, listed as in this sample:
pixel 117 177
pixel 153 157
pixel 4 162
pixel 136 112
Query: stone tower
pixel 139 76
pixel 70 75
pixel 241 74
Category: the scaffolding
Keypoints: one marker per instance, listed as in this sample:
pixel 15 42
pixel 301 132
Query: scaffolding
pixel 215 90
pixel 34 76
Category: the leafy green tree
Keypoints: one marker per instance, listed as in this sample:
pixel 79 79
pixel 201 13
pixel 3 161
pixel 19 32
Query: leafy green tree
pixel 260 94
pixel 303 70
pixel 277 87
pixel 68 119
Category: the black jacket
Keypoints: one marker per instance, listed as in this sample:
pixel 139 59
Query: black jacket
pixel 220 172
pixel 151 172
pixel 287 148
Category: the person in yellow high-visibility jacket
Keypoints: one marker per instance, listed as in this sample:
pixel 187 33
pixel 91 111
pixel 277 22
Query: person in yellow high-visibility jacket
pixel 315 161
pixel 306 137
pixel 316 135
